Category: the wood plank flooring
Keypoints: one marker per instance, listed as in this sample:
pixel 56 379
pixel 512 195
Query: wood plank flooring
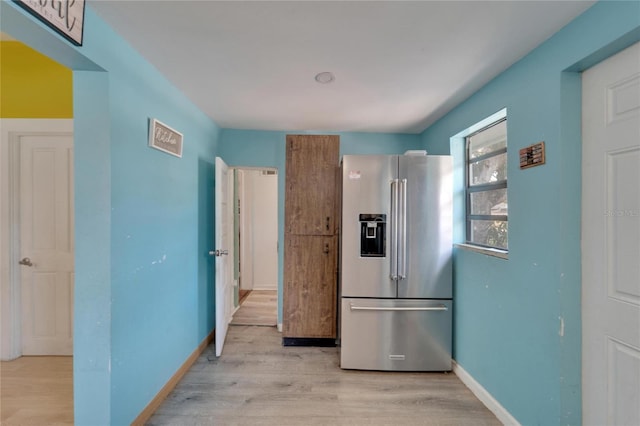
pixel 257 381
pixel 259 308
pixel 36 390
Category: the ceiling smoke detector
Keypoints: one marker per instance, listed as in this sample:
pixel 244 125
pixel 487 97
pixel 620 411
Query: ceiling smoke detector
pixel 325 77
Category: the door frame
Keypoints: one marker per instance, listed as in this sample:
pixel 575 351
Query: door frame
pixel 10 290
pixel 241 195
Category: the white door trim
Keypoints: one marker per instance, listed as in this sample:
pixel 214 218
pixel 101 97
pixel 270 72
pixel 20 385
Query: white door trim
pixel 10 291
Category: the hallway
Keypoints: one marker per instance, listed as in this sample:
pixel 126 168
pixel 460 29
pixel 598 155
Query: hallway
pixel 257 381
pixel 260 307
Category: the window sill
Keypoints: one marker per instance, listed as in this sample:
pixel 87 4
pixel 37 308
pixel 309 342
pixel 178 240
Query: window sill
pixel 502 254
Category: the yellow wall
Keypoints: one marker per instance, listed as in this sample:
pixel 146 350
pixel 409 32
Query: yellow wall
pixel 32 85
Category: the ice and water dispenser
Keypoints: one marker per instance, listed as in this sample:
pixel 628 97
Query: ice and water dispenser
pixel 373 235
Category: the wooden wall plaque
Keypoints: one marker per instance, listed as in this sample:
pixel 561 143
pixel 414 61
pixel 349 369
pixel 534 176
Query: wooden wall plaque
pixel 532 156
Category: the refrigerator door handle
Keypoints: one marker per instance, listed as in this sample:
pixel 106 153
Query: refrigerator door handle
pixel 400 308
pixel 402 231
pixel 393 251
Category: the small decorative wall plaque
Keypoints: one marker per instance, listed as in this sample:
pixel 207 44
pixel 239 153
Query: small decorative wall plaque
pixel 64 16
pixel 165 138
pixel 532 156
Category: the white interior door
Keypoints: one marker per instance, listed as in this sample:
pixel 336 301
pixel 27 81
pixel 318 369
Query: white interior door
pixel 224 242
pixel 611 241
pixel 46 244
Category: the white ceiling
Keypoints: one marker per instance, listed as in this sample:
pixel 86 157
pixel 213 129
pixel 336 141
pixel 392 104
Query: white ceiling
pixel 399 66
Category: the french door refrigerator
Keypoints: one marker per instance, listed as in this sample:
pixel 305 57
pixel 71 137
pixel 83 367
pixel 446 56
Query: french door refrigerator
pixel 395 270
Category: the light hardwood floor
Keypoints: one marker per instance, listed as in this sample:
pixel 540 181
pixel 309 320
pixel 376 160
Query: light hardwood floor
pixel 36 390
pixel 257 381
pixel 259 308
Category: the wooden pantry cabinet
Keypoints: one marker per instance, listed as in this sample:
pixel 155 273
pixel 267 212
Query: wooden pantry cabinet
pixel 311 240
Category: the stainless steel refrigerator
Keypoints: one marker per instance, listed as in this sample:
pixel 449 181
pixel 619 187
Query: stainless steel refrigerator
pixel 395 263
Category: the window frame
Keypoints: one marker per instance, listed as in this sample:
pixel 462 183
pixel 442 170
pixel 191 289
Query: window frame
pixel 484 187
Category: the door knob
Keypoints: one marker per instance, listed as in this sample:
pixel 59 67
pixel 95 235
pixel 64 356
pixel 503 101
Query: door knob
pixel 26 262
pixel 218 253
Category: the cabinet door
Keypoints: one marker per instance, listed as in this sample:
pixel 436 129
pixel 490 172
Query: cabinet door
pixel 309 308
pixel 310 184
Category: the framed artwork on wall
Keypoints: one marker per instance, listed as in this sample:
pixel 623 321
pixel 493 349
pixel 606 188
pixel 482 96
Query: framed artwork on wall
pixel 66 17
pixel 165 138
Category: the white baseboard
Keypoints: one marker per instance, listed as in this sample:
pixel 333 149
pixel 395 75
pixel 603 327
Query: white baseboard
pixel 280 327
pixel 484 396
pixel 264 288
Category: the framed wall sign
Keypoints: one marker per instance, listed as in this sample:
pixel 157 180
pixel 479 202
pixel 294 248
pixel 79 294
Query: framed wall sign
pixel 64 16
pixel 532 155
pixel 165 138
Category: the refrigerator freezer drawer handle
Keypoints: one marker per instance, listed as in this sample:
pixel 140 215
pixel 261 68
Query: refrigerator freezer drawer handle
pixel 383 308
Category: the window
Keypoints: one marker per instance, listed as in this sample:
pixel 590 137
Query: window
pixel 486 186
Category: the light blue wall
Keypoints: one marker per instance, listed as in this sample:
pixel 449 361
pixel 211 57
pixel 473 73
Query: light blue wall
pixel 144 222
pixel 252 148
pixel 92 295
pixel 508 312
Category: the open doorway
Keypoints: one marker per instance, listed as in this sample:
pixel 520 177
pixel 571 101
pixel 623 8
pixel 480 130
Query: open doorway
pixel 256 246
pixel 37 234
